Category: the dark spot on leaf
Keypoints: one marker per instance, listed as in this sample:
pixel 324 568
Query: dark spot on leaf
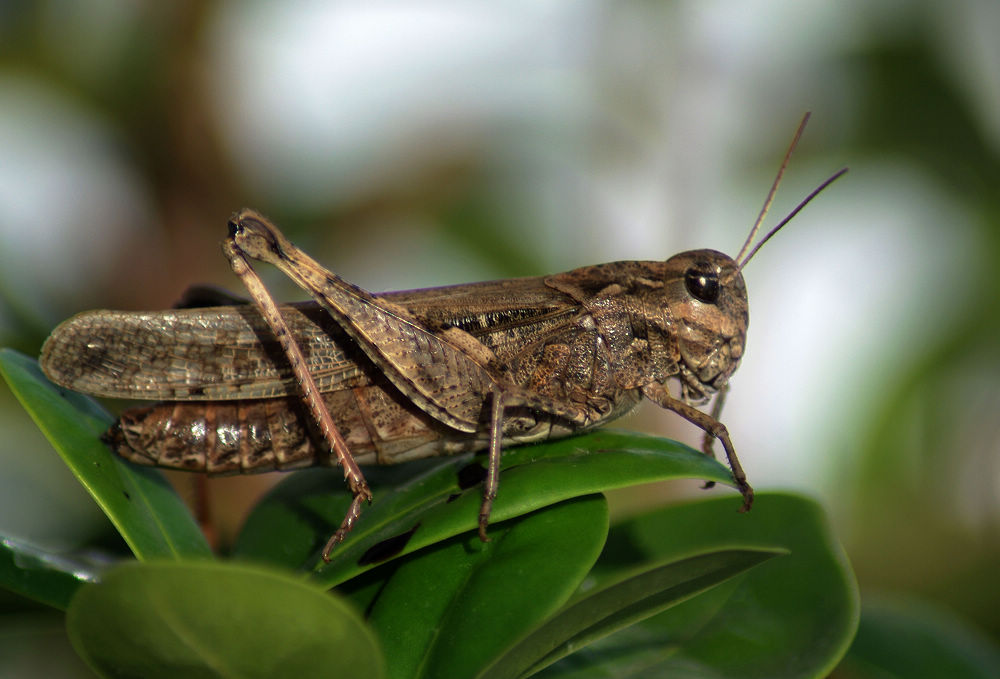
pixel 471 475
pixel 452 497
pixel 127 496
pixel 385 550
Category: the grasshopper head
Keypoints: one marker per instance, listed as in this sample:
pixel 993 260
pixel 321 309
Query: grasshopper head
pixel 707 301
pixel 707 304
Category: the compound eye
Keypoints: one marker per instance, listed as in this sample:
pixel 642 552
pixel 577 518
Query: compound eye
pixel 702 283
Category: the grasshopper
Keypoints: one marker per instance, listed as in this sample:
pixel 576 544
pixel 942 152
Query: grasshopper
pixel 359 378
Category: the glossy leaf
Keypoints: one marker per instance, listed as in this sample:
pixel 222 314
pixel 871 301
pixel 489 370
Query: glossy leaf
pixel 44 577
pixel 619 604
pixel 290 525
pixel 208 619
pixel 791 617
pixel 449 610
pixel 146 511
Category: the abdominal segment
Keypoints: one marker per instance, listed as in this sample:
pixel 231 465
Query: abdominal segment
pixel 260 435
pixel 380 426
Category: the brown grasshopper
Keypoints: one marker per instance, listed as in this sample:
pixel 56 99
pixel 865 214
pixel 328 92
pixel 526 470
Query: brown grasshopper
pixel 360 378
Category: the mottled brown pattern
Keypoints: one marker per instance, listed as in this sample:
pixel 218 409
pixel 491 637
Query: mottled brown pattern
pixel 404 375
pixel 400 376
pixel 591 337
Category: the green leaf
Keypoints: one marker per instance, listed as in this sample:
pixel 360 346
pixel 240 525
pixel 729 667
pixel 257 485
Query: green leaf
pixel 912 639
pixel 791 617
pixel 617 605
pixel 146 511
pixel 209 619
pixel 449 610
pixel 291 524
pixel 41 576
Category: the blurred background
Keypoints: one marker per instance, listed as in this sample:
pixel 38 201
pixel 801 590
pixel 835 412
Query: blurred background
pixel 432 142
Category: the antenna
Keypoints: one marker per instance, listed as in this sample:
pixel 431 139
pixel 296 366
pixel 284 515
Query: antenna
pixel 774 186
pixel 815 192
